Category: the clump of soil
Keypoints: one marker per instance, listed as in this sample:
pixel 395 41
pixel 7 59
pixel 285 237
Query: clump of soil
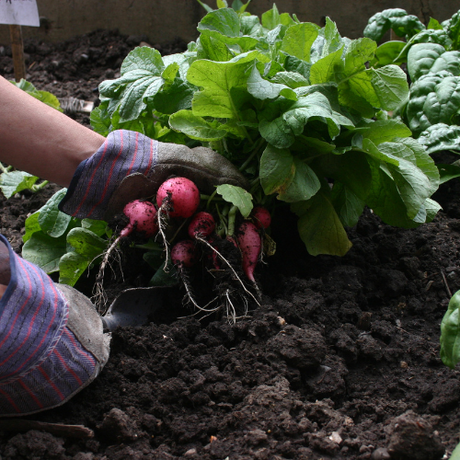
pixel 340 361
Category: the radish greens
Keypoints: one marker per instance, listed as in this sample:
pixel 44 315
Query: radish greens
pixel 296 107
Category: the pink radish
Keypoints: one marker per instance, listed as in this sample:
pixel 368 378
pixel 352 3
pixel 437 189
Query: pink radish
pixel 184 254
pixel 142 218
pixel 202 225
pixel 180 196
pixel 250 246
pixel 261 217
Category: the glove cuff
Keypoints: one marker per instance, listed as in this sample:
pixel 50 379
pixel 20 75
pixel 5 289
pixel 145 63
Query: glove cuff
pixel 96 178
pixel 42 361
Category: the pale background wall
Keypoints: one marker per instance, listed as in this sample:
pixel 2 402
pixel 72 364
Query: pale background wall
pixel 162 21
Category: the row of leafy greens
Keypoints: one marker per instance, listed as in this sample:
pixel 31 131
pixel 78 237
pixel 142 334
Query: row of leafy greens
pixel 432 111
pixel 432 57
pixel 296 107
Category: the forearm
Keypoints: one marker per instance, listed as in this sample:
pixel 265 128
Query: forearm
pixel 39 139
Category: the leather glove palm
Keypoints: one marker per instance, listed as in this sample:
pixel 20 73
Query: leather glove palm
pixel 51 341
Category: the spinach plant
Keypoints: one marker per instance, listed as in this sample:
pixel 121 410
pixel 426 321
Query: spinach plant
pixel 432 57
pixel 57 242
pixel 296 107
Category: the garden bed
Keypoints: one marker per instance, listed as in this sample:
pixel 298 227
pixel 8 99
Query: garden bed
pixel 340 361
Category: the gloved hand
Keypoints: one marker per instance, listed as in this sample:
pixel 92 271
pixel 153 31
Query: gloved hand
pixel 130 166
pixel 51 340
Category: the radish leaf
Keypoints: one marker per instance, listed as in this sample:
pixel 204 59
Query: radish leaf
pixel 237 196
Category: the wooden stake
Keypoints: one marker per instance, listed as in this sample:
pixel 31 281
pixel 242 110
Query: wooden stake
pixel 56 429
pixel 17 47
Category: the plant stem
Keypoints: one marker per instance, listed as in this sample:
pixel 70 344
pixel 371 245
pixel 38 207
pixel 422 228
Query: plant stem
pixel 210 198
pixel 231 221
pixel 254 152
pixel 36 187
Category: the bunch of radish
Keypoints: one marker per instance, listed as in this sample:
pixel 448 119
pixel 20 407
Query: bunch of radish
pixel 178 200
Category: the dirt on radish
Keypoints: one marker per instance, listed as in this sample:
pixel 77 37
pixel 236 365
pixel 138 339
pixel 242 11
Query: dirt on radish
pixel 340 361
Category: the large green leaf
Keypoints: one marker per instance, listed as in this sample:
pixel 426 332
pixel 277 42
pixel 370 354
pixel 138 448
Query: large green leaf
pixel 348 206
pixel 328 68
pixel 86 243
pixel 390 85
pixel 195 127
pixel 140 79
pixel 52 221
pixel 44 251
pixel 385 130
pixel 71 267
pixel 224 20
pixel 287 176
pixel 276 170
pixel 31 226
pixel 350 169
pixel 218 82
pixel 320 227
pixel 298 40
pixel 388 53
pixel 86 247
pixel 359 87
pixel 265 89
pixel 16 181
pixel 440 137
pixel 397 19
pixel 282 131
pixel 221 38
pixel 424 58
pixel 414 175
pixel 434 98
pixel 403 177
pixel 303 186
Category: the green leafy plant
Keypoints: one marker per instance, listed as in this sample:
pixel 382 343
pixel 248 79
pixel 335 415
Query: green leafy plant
pixel 13 181
pixel 432 57
pixel 57 242
pixel 455 454
pixel 450 343
pixel 296 107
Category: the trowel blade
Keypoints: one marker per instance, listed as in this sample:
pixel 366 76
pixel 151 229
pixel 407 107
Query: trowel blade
pixel 134 307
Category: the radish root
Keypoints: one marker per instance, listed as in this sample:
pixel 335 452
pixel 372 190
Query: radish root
pixel 163 218
pixel 99 295
pixel 202 240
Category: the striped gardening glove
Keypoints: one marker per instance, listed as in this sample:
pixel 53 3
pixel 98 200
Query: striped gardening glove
pixel 130 166
pixel 51 339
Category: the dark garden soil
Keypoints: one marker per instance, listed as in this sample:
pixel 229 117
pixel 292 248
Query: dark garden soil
pixel 341 361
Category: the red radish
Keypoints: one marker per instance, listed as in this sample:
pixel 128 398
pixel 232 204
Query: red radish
pixel 202 225
pixel 184 254
pixel 142 218
pixel 250 246
pixel 181 196
pixel 261 217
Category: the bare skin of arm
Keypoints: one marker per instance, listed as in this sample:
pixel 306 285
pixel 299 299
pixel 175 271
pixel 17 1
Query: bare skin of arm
pixel 41 141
